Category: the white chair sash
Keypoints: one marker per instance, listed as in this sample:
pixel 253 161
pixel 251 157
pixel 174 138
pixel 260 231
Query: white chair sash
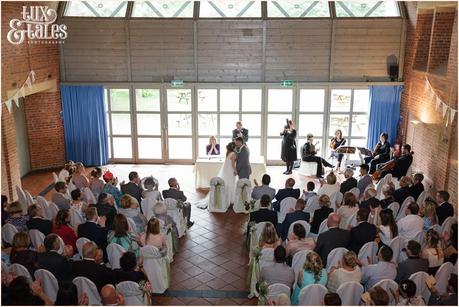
pixel 387 284
pixel 312 205
pixel 336 198
pixel 133 296
pixel 79 244
pixel 157 268
pixel 85 285
pixel 369 249
pixel 48 282
pixel 395 207
pixel 356 192
pixel 298 261
pixel 243 195
pixel 218 202
pixel 8 232
pixel 312 295
pixel 350 293
pixel 442 276
pixel 305 224
pixel 20 270
pixel 176 215
pixel 401 213
pixel 275 289
pixel 334 256
pixel 22 199
pixel 114 253
pixel 37 238
pixel 419 278
pixel 43 203
pixel 285 205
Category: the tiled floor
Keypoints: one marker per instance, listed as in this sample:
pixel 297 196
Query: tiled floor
pixel 212 256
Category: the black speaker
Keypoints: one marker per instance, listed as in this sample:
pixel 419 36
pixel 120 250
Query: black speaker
pixel 393 72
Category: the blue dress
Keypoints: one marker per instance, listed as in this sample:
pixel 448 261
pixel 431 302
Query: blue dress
pixel 308 279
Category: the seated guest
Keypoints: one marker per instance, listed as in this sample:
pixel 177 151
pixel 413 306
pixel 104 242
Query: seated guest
pixel 16 218
pixel 444 209
pixel 122 236
pixel 63 229
pixel 150 185
pixel 77 202
pixel 129 269
pixel 4 209
pixel 91 266
pixel 23 292
pixel 388 194
pixel 450 244
pixel 160 211
pixel 381 154
pixel 347 209
pixel 278 272
pixel 21 252
pixel 402 163
pixel 130 208
pixel 297 215
pixel 417 188
pixel 67 295
pixel 332 299
pixel 347 270
pixel 313 273
pixel 79 178
pixel 387 227
pixel 413 264
pixel 297 241
pixel 310 186
pixel 37 221
pixel 444 299
pixel 384 269
pixel 153 236
pixel 111 297
pixel 268 237
pixel 429 214
pixel 365 179
pixel 406 294
pixel 52 261
pixel 212 148
pixel 264 214
pixel 66 173
pixel 110 187
pixel 375 208
pixel 321 214
pixel 404 191
pixel 175 193
pixel 61 197
pixel 289 191
pixel 95 183
pixel 259 191
pixel 329 187
pixel 369 199
pixel 433 251
pixel 349 182
pixel 94 228
pixel 377 297
pixel 332 238
pixel 411 224
pixel 106 207
pixel 362 233
pixel 133 187
pixel 309 154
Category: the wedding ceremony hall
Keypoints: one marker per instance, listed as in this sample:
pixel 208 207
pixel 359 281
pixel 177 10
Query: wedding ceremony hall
pixel 229 152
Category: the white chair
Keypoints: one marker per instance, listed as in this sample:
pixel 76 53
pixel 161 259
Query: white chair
pixel 48 282
pixel 305 224
pixel 401 213
pixel 266 257
pixel 43 203
pixel 350 293
pixel 243 195
pixel 22 199
pixel 285 205
pixel 133 296
pixel 37 238
pixel 352 221
pixel 114 253
pixel 312 205
pixel 442 276
pixel 218 202
pixel 418 237
pixel 8 232
pixel 334 256
pixel 20 270
pixel 176 215
pixel 156 268
pixel 4 271
pixel 169 240
pixel 88 196
pixel 79 244
pixel 85 285
pixel 323 226
pixel 52 210
pixel 275 289
pixel 55 177
pixel 419 278
pixel 387 284
pixel 307 168
pixel 396 244
pixel 147 205
pixel 446 226
pixel 61 246
pixel 356 192
pixel 75 217
pixel 312 295
pixel 437 228
pixel 336 198
pixel 369 249
pixel 395 207
pixel 132 226
pixel 422 197
pixel 298 261
pixel 254 236
pixel 29 198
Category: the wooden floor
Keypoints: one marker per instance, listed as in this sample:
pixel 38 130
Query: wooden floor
pixel 211 265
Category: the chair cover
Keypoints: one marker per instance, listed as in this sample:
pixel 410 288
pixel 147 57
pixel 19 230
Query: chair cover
pixel 70 187
pixel 442 276
pixel 4 271
pixel 437 228
pixel 312 205
pixel 85 285
pixel 29 198
pixel 352 221
pixel 176 215
pixel 169 240
pixel 37 237
pixel 275 289
pixel 419 278
pixel 305 224
pixel 254 236
pixel 370 186
pixel 350 293
pixel 133 296
pixel 79 244
pixel 75 217
pixel 323 226
pixel 422 197
pixel 48 282
pixel 446 226
pixel 257 205
pixel 157 268
pixel 356 192
pixel 307 168
pixel 43 203
pixel 243 195
pixel 218 202
pixel 52 210
pixel 147 205
pixel 387 284
pixel 369 249
pixel 401 213
pixel 63 174
pixel 88 196
pixel 336 198
pixel 132 226
pixel 267 257
pixel 312 295
pixel 334 256
pixel 285 205
pixel 298 261
pixel 55 177
pixel 20 270
pixel 418 237
pixel 8 232
pixel 22 199
pixel 61 246
pixel 395 207
pixel 396 244
pixel 114 252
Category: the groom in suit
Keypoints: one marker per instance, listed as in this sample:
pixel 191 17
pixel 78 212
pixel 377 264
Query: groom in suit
pixel 243 168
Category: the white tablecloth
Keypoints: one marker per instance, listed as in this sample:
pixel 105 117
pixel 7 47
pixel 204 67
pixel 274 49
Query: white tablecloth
pixel 205 169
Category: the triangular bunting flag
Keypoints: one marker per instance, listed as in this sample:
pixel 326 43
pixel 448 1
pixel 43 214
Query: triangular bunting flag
pixel 16 100
pixel 437 103
pixel 452 114
pixel 445 110
pixel 22 92
pixel 28 82
pixel 8 105
pixel 33 75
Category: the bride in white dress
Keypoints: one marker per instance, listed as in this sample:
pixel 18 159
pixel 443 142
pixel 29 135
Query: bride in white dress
pixel 228 173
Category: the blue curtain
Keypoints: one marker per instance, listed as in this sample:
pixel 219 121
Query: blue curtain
pixel 384 113
pixel 85 126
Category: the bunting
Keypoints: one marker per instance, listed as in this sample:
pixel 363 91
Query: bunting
pixel 448 113
pixel 20 92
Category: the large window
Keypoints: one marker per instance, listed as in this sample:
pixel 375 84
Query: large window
pixel 163 9
pixel 298 8
pixel 230 9
pixel 91 8
pixel 119 123
pixel 366 9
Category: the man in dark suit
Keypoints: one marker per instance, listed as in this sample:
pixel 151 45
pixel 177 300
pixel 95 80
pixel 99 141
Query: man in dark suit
pixel 413 264
pixel 52 261
pixel 94 229
pixel 91 267
pixel 404 191
pixel 444 209
pixel 133 187
pixel 264 214
pixel 289 191
pixel 240 132
pixel 402 163
pixel 332 238
pixel 297 215
pixel 417 188
pixel 362 233
pixel 350 181
pixel 37 221
pixel 106 207
pixel 175 193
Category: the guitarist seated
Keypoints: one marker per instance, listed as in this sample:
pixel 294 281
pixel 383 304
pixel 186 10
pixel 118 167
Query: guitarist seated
pixel 399 165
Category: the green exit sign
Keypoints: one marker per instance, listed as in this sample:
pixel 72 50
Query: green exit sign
pixel 287 83
pixel 177 83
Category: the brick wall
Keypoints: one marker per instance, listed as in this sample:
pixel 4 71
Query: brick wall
pixel 434 143
pixel 44 127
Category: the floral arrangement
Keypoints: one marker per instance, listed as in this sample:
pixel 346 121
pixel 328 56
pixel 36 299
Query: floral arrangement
pixel 146 289
pixel 263 293
pixel 180 204
pixel 250 205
